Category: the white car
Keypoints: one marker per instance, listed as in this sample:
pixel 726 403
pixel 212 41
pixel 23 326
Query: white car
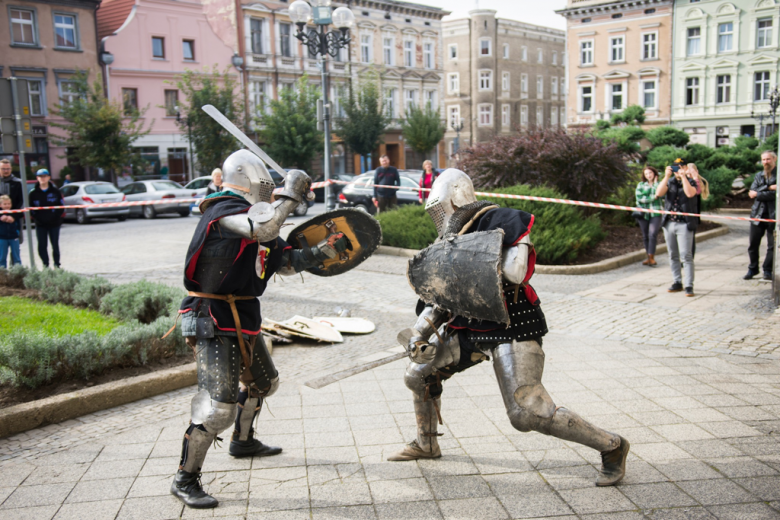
pixel 158 190
pixel 88 193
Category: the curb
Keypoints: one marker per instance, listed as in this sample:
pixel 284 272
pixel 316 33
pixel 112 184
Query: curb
pixel 59 408
pixel 598 267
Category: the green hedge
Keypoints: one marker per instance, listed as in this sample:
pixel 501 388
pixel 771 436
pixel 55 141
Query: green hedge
pixel 560 232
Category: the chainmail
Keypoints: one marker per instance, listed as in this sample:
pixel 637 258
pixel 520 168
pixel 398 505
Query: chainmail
pixel 464 214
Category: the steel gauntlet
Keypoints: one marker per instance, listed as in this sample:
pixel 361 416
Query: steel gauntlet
pixel 296 186
pixel 417 340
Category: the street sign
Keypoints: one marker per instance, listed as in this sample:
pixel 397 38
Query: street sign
pixel 7 121
pixel 7 101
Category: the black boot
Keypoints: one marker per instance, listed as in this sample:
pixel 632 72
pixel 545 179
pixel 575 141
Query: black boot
pixel 613 464
pixel 187 488
pixel 251 447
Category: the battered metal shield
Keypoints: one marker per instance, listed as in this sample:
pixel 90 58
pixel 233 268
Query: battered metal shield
pixel 462 274
pixel 362 230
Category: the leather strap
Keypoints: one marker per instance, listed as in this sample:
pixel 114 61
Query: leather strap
pixel 231 299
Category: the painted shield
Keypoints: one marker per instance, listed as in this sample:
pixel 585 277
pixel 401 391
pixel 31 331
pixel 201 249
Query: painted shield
pixel 462 274
pixel 362 230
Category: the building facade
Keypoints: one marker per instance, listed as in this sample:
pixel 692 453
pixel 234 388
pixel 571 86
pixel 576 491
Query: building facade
pixel 152 42
pixel 619 54
pixel 726 61
pixel 501 75
pixel 46 43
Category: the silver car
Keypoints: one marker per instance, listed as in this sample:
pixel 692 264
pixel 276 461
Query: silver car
pixel 158 190
pixel 88 193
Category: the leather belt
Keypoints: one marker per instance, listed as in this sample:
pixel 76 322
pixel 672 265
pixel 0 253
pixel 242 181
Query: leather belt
pixel 231 299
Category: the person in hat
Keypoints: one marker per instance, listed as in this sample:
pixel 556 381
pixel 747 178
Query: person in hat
pixel 47 221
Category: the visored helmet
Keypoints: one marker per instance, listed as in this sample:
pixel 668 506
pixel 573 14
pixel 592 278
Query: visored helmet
pixel 453 189
pixel 245 174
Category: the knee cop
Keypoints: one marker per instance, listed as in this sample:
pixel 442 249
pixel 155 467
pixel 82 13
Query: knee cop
pixel 214 416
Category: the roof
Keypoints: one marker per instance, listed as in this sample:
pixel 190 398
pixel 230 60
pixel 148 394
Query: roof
pixel 111 15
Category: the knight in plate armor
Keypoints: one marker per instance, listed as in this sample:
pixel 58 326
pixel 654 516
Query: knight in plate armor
pixel 476 303
pixel 234 252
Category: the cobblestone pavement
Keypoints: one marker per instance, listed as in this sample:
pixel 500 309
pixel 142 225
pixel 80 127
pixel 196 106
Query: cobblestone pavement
pixel 693 383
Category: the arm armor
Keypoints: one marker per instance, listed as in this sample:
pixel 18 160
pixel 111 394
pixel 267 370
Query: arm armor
pixel 262 222
pixel 515 262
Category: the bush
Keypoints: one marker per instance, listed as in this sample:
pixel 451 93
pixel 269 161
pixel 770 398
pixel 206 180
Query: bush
pixel 624 196
pixel 627 138
pixel 720 180
pixel 663 156
pixel 667 136
pixel 699 154
pixel 143 301
pixel 409 227
pixel 54 285
pixel 90 291
pixel 13 277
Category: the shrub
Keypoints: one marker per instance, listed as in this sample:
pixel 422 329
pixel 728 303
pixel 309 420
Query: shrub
pixel 624 196
pixel 627 138
pixel 143 301
pixel 770 143
pixel 667 136
pixel 409 227
pixel 662 156
pixel 13 277
pixel 720 180
pixel 699 154
pixel 90 291
pixel 54 285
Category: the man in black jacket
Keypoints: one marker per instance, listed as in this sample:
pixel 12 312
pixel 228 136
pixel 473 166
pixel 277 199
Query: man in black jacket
pixel 47 221
pixel 764 191
pixel 10 185
pixel 386 175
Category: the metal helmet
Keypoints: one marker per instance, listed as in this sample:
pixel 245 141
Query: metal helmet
pixel 244 173
pixel 453 189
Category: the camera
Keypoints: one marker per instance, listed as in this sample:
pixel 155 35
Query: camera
pixel 675 168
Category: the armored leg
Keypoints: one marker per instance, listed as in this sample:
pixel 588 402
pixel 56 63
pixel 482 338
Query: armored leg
pixel 519 368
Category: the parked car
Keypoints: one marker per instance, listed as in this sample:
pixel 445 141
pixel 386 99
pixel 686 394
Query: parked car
pixel 88 193
pixel 199 185
pixel 359 193
pixel 158 190
pixel 319 193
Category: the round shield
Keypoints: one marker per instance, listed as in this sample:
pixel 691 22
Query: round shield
pixel 362 230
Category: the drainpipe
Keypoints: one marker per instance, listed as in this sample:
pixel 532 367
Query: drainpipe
pixel 242 53
pixel 671 68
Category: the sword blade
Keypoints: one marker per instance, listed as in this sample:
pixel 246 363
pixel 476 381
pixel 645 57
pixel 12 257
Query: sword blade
pixel 228 125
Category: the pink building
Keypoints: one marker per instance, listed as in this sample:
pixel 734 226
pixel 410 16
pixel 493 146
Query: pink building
pixel 151 42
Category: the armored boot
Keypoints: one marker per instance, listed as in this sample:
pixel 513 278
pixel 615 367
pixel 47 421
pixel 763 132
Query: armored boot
pixel 613 464
pixel 186 484
pixel 426 446
pixel 243 443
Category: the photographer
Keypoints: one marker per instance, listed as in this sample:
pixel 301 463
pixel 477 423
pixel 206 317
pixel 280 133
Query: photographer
pixel 681 196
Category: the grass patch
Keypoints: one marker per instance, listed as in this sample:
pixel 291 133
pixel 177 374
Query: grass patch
pixel 50 319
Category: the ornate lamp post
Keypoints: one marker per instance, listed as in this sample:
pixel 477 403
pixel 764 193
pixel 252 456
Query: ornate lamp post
pixel 191 169
pixel 457 127
pixel 323 43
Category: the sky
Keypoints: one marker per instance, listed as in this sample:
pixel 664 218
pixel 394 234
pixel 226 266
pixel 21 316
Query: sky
pixel 538 12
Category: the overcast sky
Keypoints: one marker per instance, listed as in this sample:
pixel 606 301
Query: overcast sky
pixel 539 12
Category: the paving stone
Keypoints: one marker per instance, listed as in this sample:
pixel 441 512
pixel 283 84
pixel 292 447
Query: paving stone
pixel 55 475
pixel 596 500
pixel 44 495
pixel 406 490
pixel 742 467
pixel 99 490
pixel 472 509
pixel 662 494
pixel 766 488
pixel 741 511
pixel 344 513
pixel 102 510
pixel 339 495
pixel 537 505
pixel 150 508
pixel 278 498
pixel 682 513
pixel 119 469
pixel 682 432
pixel 714 492
pixel 30 513
pixel 681 470
pixel 445 488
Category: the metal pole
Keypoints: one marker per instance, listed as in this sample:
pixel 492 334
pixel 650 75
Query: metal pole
pixel 775 269
pixel 22 167
pixel 330 203
pixel 189 145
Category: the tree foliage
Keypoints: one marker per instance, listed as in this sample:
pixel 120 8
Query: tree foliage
pixel 290 128
pixel 365 119
pixel 667 135
pixel 631 115
pixel 623 129
pixel 423 128
pixel 96 131
pixel 580 165
pixel 211 142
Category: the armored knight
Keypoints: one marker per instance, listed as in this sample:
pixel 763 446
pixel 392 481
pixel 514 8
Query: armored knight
pixel 490 311
pixel 235 250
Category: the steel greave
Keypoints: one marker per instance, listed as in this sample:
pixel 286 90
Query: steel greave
pixel 427 422
pixel 247 415
pixel 196 444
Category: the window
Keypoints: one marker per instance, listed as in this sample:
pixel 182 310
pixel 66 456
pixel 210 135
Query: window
pixel 617 15
pixel 554 116
pixel 158 47
pixel 723 90
pixel 453 51
pixel 256 35
pixel 762 86
pixel 650 11
pixel 539 117
pixel 428 55
pixel 188 50
pixel 524 53
pixel 130 100
pixel 764 33
pixel 554 86
pixel 505 81
pixel 430 98
pixel 171 102
pixel 694 41
pixel 650 46
pixel 539 87
pixel 68 91
pixel 365 48
pixel 524 83
pixel 65 33
pixel 485 80
pixel 339 96
pixel 562 118
pixel 485 115
pixel 617 46
pixel 37 104
pixel 410 98
pixel 408 53
pixel 505 116
pixel 555 58
pixel 587 20
pixel 524 115
pixel 586 52
pixel 485 47
pixel 586 99
pixel 387 50
pixel 23 27
pixel 284 40
pixel 390 102
pixel 692 91
pixel 506 51
pixel 616 92
pixel 725 37
pixel 258 98
pixel 453 82
pixel 649 92
pixel 539 56
pixel 563 85
pixel 454 115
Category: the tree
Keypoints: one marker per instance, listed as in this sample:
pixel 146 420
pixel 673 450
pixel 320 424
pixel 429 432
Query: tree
pixel 212 143
pixel 290 129
pixel 631 115
pixel 422 129
pixel 667 135
pixel 365 119
pixel 97 131
pixel 623 129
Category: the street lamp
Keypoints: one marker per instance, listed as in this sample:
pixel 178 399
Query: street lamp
pixel 457 127
pixel 187 122
pixel 323 43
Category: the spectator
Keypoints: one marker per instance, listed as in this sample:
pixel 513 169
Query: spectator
pixel 386 198
pixel 679 230
pixel 67 179
pixel 47 221
pixel 426 181
pixel 649 223
pixel 10 231
pixel 216 182
pixel 764 191
pixel 10 185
